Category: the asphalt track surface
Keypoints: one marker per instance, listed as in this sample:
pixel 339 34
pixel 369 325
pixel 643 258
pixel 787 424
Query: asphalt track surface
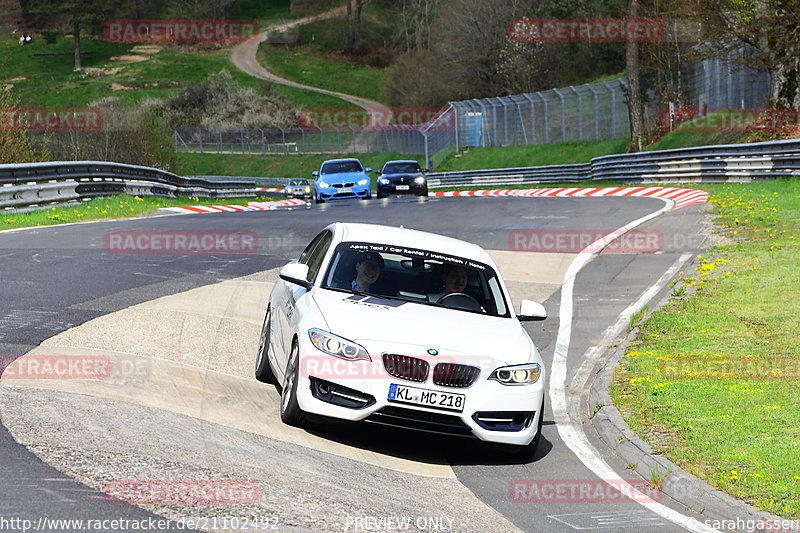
pixel 55 278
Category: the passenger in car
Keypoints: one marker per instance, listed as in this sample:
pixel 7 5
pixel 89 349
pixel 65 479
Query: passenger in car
pixel 368 269
pixel 454 279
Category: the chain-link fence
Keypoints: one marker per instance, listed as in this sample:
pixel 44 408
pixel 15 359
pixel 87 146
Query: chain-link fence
pixel 295 141
pixel 730 77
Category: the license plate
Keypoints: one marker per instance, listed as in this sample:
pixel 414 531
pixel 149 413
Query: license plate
pixel 428 398
pixel 345 189
pixel 403 187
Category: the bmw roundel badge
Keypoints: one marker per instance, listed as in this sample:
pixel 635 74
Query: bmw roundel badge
pixel 433 351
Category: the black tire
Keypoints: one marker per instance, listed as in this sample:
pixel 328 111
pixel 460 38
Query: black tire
pixel 291 414
pixel 318 200
pixel 534 445
pixel 264 372
pixel 379 196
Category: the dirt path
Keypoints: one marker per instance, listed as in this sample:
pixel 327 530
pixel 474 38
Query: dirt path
pixel 244 57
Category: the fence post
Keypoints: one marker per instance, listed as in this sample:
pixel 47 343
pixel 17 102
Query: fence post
pixel 580 113
pixel 321 141
pixel 596 114
pixel 427 155
pixel 219 142
pixel 303 135
pixel 613 109
pixel 200 132
pixel 241 139
pixel 263 142
pixel 283 138
pixel 455 122
pixel 355 148
pixel 521 123
pixel 529 98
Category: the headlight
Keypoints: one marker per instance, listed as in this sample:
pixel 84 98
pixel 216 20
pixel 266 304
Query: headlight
pixel 323 185
pixel 517 374
pixel 335 345
pixel 363 182
pixel 383 181
pixel 419 179
pixel 308 189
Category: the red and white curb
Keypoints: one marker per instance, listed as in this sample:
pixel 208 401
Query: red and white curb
pixel 681 197
pixel 251 206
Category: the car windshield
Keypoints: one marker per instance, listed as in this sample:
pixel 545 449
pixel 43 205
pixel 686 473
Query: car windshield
pixel 337 167
pixel 297 182
pixel 419 276
pixel 401 168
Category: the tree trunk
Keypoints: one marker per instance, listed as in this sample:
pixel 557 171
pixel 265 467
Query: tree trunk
pixel 357 25
pixel 635 108
pixel 76 31
pixel 351 35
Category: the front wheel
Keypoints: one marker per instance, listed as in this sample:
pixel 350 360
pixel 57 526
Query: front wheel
pixel 318 200
pixel 264 372
pixel 291 414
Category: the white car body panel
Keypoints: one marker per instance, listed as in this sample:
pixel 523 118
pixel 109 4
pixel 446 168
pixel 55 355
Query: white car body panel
pixel 385 326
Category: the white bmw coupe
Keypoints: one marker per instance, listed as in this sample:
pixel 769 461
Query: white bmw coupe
pixel 400 327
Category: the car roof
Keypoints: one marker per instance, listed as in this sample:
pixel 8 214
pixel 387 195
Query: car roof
pixel 402 161
pixel 338 160
pixel 392 235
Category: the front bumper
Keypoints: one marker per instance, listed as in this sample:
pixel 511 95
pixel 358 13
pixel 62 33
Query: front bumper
pixel 335 193
pixel 492 412
pixel 391 188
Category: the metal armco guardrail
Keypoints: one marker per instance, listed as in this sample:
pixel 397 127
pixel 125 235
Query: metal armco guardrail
pixel 705 163
pixel 37 184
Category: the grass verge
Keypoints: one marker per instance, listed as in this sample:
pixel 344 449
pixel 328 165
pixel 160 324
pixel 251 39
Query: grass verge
pixel 711 380
pixel 292 166
pixel 530 156
pixel 110 207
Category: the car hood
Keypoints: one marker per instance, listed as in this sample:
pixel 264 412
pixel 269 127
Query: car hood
pixel 383 325
pixel 342 176
pixel 403 175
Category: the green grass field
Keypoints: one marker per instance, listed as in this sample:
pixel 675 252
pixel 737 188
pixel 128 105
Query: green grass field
pixel 294 166
pixel 737 427
pixel 111 207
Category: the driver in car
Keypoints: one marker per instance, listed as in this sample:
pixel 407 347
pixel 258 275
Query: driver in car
pixel 368 269
pixel 454 279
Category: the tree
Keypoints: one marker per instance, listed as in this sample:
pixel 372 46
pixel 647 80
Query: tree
pixel 635 107
pixel 72 15
pixel 354 24
pixel 773 27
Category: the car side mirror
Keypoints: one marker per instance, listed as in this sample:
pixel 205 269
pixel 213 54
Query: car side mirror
pixel 315 173
pixel 367 169
pixel 530 310
pixel 296 273
pixel 378 172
